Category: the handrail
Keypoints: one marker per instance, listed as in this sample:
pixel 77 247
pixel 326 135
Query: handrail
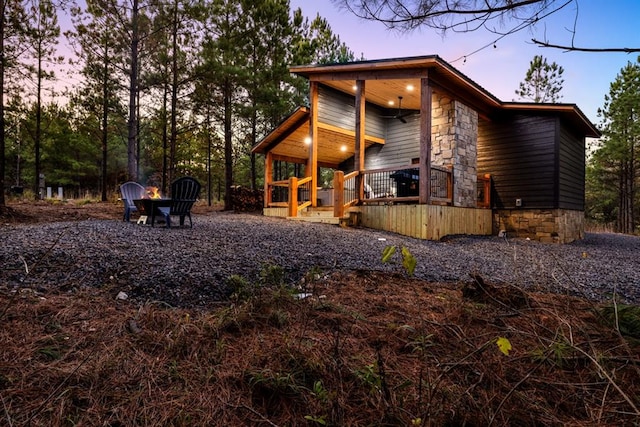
pixel 351 175
pixel 303 181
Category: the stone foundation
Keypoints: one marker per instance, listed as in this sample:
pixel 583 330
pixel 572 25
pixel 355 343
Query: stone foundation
pixel 543 225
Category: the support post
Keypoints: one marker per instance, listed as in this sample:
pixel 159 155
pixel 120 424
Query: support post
pixel 312 165
pixel 268 178
pixel 425 141
pixel 359 137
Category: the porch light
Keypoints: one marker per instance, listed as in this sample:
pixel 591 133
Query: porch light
pixel 409 88
pixel 307 140
pixel 391 103
pixel 343 148
pixel 355 87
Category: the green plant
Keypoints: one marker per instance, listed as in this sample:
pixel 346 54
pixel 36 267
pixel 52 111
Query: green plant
pixel 370 375
pixel 409 262
pixel 321 393
pixel 272 275
pixel 321 420
pixel 241 289
pixel 624 318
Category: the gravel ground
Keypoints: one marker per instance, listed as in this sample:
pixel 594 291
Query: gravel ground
pixel 190 267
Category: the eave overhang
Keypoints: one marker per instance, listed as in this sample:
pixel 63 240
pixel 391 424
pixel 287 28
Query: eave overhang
pixel 569 112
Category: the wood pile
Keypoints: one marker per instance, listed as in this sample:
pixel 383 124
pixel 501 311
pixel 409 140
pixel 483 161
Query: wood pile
pixel 246 200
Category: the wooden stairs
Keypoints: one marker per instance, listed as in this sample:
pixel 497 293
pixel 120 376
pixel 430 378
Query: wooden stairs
pixel 324 215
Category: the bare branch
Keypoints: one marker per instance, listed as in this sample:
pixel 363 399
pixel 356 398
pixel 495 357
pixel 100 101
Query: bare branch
pixel 464 16
pixel 585 49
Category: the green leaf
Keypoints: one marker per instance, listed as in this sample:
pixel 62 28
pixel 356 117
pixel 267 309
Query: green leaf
pixel 388 252
pixel 504 345
pixel 408 261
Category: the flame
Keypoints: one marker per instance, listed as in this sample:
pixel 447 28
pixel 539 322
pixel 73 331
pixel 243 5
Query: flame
pixel 153 192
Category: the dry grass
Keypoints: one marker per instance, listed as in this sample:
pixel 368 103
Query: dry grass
pixel 365 349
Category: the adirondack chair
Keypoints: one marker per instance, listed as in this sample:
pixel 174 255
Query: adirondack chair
pixel 184 193
pixel 130 191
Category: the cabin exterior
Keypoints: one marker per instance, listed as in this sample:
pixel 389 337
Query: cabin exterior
pixel 415 147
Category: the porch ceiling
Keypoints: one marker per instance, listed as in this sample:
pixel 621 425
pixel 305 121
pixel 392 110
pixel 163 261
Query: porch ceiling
pixel 287 141
pixel 384 93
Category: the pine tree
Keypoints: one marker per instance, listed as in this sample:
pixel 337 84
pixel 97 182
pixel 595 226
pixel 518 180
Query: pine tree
pixel 42 37
pixel 100 54
pixel 616 162
pixel 12 27
pixel 543 81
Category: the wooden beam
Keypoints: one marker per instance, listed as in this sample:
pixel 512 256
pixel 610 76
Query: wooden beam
pixel 409 73
pixel 425 141
pixel 268 177
pixel 347 132
pixel 312 165
pixel 359 136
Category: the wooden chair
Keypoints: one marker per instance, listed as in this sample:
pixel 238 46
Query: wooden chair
pixel 129 191
pixel 184 193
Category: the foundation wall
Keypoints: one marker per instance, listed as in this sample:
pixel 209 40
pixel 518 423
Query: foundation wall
pixel 543 225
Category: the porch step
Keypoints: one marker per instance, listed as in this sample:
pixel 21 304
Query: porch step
pixel 324 215
pixel 316 219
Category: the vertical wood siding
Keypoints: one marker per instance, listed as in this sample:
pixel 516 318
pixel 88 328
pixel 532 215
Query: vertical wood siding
pixel 520 154
pixel 429 222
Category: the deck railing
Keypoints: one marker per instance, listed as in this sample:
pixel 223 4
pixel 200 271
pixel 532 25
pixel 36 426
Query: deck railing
pixel 402 184
pixel 396 185
pixel 278 194
pixel 294 194
pixel 345 191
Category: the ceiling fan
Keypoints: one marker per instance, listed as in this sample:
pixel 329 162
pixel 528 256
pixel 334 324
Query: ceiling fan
pixel 400 115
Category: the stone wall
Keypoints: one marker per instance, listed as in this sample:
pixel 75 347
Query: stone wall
pixel 465 169
pixel 543 225
pixel 454 141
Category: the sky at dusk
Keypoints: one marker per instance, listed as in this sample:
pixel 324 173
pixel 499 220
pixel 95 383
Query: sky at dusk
pixel 500 69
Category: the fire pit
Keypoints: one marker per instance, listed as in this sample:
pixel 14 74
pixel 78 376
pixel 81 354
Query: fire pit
pixel 149 208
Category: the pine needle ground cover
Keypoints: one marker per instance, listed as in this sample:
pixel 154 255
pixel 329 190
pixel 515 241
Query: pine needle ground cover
pixel 350 348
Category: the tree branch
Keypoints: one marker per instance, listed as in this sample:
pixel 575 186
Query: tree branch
pixel 585 49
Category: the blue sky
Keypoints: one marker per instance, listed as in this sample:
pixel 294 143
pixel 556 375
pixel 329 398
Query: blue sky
pixel 587 76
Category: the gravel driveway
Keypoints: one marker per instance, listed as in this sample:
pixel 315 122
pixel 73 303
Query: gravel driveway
pixel 190 267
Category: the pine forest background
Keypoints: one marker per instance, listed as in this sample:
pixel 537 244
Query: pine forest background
pixel 186 87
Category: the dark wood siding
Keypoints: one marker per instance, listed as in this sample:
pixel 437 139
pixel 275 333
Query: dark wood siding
pixel 520 154
pixel 571 169
pixel 402 144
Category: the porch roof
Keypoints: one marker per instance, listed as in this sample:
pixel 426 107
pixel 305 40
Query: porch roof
pixel 287 141
pixel 386 79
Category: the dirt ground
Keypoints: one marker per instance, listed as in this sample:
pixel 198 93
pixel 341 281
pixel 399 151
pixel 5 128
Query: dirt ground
pixel 348 349
pixel 32 212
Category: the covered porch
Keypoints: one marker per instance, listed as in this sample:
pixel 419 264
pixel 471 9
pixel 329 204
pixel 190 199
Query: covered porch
pixel 389 147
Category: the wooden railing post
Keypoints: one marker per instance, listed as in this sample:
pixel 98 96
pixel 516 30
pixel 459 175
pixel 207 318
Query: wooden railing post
pixel 293 196
pixel 450 183
pixel 487 190
pixel 338 194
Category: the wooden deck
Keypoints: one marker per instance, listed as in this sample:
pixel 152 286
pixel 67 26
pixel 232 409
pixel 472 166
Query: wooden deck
pixel 429 222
